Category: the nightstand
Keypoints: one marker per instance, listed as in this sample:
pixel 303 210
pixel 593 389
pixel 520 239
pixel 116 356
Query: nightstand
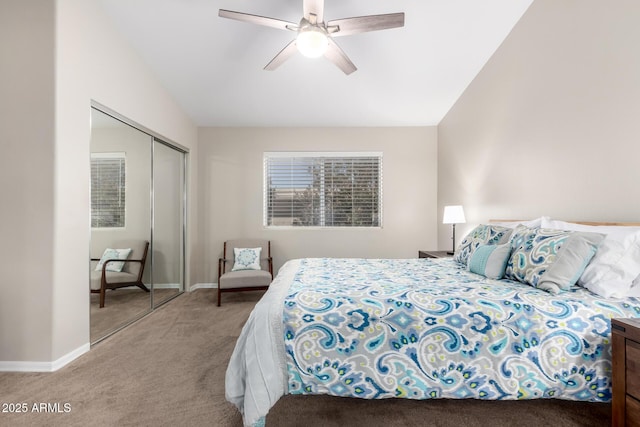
pixel 625 341
pixel 434 254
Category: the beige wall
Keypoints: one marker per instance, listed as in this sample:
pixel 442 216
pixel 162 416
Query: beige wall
pixel 27 175
pixel 231 183
pixel 63 55
pixel 550 125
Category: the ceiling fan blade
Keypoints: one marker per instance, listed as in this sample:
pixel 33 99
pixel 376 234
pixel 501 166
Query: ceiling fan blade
pixel 259 20
pixel 363 24
pixel 315 7
pixel 286 53
pixel 339 58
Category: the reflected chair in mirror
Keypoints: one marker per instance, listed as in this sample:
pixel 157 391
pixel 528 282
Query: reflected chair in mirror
pixel 246 265
pixel 130 274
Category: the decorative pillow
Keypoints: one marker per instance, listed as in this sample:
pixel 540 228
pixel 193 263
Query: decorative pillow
pixel 246 259
pixel 616 264
pixel 551 260
pixel 113 254
pixel 481 235
pixel 490 260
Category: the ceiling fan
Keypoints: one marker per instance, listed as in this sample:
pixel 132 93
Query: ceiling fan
pixel 315 37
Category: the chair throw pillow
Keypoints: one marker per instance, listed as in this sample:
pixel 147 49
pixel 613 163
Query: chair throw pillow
pixel 551 260
pixel 481 235
pixel 246 259
pixel 490 260
pixel 113 254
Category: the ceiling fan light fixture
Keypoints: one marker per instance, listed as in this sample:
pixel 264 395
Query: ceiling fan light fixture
pixel 314 36
pixel 312 42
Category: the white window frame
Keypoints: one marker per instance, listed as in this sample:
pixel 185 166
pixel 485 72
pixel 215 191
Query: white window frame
pixel 319 155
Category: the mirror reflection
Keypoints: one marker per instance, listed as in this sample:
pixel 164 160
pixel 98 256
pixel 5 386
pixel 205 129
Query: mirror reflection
pixel 137 222
pixel 168 220
pixel 120 224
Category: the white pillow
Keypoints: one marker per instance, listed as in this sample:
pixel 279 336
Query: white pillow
pixel 246 259
pixel 616 264
pixel 635 288
pixel 534 223
pixel 113 254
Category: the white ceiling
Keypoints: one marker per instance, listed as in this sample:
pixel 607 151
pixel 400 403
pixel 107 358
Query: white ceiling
pixel 408 76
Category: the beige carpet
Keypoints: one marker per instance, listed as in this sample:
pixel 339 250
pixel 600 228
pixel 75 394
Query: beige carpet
pixel 168 370
pixel 121 307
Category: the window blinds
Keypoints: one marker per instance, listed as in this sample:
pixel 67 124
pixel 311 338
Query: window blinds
pixel 107 190
pixel 323 189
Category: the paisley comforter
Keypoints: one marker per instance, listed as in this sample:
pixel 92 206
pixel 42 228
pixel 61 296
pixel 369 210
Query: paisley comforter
pixel 419 329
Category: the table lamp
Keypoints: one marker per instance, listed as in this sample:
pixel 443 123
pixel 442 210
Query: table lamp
pixel 453 215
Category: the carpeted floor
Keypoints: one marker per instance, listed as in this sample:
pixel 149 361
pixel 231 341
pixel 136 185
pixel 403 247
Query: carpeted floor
pixel 168 370
pixel 121 307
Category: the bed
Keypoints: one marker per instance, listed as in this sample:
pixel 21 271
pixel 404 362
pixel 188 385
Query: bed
pixel 420 329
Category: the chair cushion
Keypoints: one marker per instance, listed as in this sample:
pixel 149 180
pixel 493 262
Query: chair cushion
pixel 112 277
pixel 245 279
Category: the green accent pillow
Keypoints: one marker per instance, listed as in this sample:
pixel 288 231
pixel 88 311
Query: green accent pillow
pixel 490 260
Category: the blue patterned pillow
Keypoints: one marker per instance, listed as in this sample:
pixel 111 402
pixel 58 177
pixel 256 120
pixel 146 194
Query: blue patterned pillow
pixel 551 260
pixel 481 235
pixel 246 259
pixel 490 260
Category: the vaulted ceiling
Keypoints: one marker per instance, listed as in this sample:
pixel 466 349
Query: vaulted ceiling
pixel 410 76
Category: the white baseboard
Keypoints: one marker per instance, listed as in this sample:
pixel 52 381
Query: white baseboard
pixel 156 286
pixel 167 286
pixel 44 366
pixel 177 286
pixel 202 286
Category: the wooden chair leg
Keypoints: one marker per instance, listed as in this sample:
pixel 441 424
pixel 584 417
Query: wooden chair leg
pixel 219 295
pixel 102 292
pixel 143 287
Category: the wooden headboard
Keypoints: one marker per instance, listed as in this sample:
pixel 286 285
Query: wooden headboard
pixel 618 224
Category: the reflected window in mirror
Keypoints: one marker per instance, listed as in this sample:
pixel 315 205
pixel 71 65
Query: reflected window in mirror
pixel 108 190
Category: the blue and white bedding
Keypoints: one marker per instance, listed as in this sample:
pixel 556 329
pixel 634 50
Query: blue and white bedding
pixel 419 329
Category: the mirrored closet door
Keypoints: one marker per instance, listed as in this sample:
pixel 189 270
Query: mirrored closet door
pixel 168 222
pixel 120 219
pixel 138 198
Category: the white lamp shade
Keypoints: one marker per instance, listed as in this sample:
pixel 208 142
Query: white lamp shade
pixel 453 215
pixel 312 42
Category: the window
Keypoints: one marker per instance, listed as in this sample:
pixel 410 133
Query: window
pixel 107 190
pixel 323 189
